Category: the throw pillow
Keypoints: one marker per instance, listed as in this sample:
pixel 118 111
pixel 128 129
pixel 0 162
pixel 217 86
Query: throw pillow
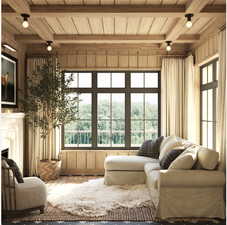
pixel 151 148
pixel 169 157
pixel 207 159
pixel 16 170
pixel 168 144
pixel 186 160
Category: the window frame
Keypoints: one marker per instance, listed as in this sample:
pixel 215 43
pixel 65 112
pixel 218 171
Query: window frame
pixel 94 90
pixel 205 87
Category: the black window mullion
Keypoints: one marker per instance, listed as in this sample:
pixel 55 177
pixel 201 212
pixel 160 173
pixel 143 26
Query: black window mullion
pixel 94 112
pixel 127 112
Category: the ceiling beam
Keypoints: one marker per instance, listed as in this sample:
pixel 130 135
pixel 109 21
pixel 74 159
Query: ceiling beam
pixel 22 7
pixel 41 29
pixel 119 10
pixel 194 7
pixel 36 24
pixel 143 39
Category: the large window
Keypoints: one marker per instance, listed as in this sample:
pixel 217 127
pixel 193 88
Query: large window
pixel 209 76
pixel 117 110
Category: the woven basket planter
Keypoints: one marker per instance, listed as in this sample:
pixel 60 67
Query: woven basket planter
pixel 49 170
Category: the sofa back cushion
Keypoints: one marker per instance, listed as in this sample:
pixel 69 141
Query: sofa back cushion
pixel 168 144
pixel 151 148
pixel 207 159
pixel 186 160
pixel 169 158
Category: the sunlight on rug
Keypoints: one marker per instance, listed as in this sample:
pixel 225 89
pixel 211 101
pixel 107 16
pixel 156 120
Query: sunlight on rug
pixel 94 198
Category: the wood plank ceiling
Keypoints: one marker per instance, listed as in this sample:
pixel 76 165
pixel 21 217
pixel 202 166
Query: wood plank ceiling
pixel 48 21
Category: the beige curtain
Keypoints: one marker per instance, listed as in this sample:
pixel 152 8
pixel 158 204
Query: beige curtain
pixel 191 128
pixel 37 146
pixel 172 96
pixel 222 101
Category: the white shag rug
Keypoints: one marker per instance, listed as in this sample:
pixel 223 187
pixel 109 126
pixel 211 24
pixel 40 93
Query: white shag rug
pixel 94 198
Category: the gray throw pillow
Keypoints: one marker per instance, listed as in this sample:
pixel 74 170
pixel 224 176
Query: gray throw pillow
pixel 151 148
pixel 169 158
pixel 15 168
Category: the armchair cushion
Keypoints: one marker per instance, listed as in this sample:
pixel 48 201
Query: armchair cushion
pixel 30 194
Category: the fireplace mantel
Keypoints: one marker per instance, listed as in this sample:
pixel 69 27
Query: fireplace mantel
pixel 12 136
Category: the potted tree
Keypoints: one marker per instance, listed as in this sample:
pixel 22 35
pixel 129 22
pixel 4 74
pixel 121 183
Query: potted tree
pixel 48 105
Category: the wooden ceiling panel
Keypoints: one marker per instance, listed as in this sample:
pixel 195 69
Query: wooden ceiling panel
pixel 120 25
pixel 157 25
pixel 122 2
pixel 17 23
pixel 107 2
pixel 198 25
pixel 219 2
pixel 169 2
pixel 138 2
pixel 68 24
pixel 55 25
pixel 181 2
pixel 108 25
pixel 74 2
pixel 96 25
pixel 91 2
pixel 9 28
pixel 55 2
pixel 154 2
pixel 133 25
pixel 145 25
pixel 82 25
pixel 169 23
pixel 39 2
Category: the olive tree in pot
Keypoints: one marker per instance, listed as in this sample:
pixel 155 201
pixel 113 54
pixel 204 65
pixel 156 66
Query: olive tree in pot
pixel 48 105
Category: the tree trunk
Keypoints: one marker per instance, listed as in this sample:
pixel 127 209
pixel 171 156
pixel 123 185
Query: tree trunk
pixel 49 143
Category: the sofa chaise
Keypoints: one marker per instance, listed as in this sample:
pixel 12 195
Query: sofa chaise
pixel 192 186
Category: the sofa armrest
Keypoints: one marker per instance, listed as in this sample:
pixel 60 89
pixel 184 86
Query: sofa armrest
pixel 191 178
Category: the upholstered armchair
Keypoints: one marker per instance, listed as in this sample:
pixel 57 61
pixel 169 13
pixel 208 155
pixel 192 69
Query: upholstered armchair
pixel 16 197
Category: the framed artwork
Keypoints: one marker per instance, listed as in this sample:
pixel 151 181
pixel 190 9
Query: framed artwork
pixel 8 81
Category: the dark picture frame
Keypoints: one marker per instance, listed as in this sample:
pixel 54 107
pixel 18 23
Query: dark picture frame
pixel 8 81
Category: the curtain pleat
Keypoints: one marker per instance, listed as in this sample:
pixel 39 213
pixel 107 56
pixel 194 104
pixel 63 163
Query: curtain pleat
pixel 172 96
pixel 37 146
pixel 191 129
pixel 222 102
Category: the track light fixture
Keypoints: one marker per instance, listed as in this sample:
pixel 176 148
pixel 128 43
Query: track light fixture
pixel 49 47
pixel 25 23
pixel 168 45
pixel 189 20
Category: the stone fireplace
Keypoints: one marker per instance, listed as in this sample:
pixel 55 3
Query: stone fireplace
pixel 12 136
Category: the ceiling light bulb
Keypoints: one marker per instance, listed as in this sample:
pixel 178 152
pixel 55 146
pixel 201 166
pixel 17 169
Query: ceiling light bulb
pixel 189 24
pixel 25 24
pixel 49 48
pixel 168 48
pixel 189 20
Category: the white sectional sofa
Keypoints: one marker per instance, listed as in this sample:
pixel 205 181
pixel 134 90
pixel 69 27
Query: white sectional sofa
pixel 195 192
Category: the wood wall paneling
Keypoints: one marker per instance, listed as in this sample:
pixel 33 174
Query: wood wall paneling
pixel 75 162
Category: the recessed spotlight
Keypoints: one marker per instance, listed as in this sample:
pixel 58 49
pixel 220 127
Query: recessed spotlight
pixel 189 20
pixel 25 23
pixel 168 45
pixel 49 47
pixel 4 45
